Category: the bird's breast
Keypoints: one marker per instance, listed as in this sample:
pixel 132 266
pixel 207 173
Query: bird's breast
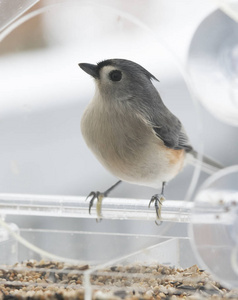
pixel 128 147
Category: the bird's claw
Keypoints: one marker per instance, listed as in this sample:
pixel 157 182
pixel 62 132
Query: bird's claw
pixel 99 196
pixel 158 199
pixel 93 196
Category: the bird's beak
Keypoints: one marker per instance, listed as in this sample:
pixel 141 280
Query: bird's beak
pixel 90 69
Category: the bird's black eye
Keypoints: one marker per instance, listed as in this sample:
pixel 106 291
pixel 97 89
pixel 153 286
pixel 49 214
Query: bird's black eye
pixel 115 75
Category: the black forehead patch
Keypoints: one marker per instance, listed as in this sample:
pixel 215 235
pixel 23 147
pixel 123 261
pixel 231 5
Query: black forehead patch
pixel 126 65
pixel 108 62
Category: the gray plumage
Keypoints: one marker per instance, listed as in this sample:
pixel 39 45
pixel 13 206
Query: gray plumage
pixel 128 127
pixel 145 99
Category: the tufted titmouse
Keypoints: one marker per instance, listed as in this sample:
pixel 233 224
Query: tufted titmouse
pixel 131 131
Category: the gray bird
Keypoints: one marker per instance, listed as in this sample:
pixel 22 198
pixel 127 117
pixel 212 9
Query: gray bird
pixel 131 132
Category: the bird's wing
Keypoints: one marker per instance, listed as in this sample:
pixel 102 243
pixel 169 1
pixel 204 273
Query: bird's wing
pixel 173 137
pixel 165 124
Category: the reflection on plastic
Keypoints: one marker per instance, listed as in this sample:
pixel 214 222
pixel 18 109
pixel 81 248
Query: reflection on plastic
pixel 12 9
pixel 213 66
pixel 9 245
pixel 214 226
pixel 230 7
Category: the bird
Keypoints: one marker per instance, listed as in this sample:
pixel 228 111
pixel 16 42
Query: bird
pixel 132 133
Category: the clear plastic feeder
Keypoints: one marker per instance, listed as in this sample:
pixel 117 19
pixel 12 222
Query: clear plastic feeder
pixel 213 65
pixel 214 225
pixel 44 97
pixel 50 93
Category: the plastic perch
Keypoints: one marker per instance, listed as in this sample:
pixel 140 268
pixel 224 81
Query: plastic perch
pixel 77 207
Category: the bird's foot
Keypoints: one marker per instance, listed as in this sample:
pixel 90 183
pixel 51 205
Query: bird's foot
pixel 99 196
pixel 158 199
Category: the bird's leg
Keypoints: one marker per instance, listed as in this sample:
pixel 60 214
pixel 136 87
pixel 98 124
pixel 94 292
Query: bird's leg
pixel 99 196
pixel 158 199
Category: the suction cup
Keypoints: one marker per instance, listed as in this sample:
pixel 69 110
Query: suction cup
pixel 213 66
pixel 214 227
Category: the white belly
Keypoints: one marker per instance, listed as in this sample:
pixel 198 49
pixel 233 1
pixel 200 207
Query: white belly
pixel 127 147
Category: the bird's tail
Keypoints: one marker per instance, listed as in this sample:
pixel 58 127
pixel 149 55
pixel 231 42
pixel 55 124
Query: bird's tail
pixel 208 165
